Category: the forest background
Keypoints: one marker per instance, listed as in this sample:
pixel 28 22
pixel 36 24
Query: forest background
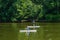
pixel 28 10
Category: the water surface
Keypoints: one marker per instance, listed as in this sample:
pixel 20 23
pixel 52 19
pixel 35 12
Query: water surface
pixel 47 31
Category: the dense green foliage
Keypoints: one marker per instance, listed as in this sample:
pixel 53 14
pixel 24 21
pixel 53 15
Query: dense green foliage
pixel 17 10
pixel 51 9
pixel 8 10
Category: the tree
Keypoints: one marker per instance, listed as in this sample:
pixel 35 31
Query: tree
pixel 7 10
pixel 50 8
pixel 28 10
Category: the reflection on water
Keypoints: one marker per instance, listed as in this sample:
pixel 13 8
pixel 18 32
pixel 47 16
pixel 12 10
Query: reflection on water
pixel 47 31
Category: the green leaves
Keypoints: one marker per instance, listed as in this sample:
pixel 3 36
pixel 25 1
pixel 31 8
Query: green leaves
pixel 28 9
pixel 17 10
pixel 7 10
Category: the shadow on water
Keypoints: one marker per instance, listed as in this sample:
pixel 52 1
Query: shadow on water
pixel 47 31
